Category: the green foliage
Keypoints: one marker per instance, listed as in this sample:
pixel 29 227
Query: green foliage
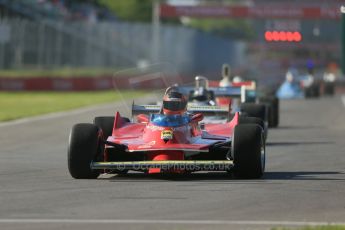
pixel 231 28
pixel 130 10
pixel 141 10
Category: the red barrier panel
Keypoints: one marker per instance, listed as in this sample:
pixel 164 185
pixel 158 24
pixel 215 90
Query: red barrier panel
pixel 267 11
pixel 82 83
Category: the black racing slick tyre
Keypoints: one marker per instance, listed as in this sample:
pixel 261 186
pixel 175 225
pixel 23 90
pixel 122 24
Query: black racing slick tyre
pixel 308 92
pixel 254 110
pixel 316 89
pixel 254 120
pixel 312 91
pixel 274 118
pixel 248 151
pixel 328 88
pixel 105 124
pixel 251 120
pixel 84 147
pixel 273 114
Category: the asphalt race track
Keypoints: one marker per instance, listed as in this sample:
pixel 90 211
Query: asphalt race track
pixel 304 181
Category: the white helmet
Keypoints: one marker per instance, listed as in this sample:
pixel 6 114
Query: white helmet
pixel 226 72
pixel 201 81
pixel 289 76
pixel 237 79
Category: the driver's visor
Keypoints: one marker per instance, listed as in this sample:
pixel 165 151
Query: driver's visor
pixel 174 105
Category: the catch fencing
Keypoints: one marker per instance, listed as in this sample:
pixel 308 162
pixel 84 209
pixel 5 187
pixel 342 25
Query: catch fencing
pixel 53 44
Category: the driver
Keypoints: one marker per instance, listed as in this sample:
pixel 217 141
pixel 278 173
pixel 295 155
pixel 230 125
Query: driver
pixel 201 94
pixel 226 73
pixel 174 103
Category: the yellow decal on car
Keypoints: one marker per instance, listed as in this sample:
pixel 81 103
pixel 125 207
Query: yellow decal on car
pixel 167 134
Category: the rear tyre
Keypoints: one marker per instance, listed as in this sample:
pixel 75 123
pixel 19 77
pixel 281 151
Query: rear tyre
pixel 248 151
pixel 312 91
pixel 251 120
pixel 329 88
pixel 273 114
pixel 254 120
pixel 316 89
pixel 254 110
pixel 275 106
pixel 308 92
pixel 84 147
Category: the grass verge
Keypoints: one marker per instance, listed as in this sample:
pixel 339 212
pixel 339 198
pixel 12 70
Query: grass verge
pixel 14 105
pixel 60 72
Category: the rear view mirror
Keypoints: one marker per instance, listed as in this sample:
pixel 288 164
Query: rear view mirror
pixel 142 118
pixel 198 117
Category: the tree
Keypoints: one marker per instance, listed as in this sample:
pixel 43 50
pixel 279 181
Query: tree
pixel 141 10
pixel 130 10
pixel 235 28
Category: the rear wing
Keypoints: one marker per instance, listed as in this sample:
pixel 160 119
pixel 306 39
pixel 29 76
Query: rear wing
pixel 218 91
pixel 246 93
pixel 242 92
pixel 250 85
pixel 229 91
pixel 206 110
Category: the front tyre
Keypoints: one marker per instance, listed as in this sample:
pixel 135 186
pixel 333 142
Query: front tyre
pixel 84 147
pixel 248 151
pixel 106 124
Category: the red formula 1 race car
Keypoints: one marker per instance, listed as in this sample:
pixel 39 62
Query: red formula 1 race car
pixel 170 139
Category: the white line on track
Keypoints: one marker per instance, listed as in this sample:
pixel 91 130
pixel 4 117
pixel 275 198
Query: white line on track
pixel 343 99
pixel 181 222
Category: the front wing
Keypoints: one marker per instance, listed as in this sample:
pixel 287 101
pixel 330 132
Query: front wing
pixel 189 165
